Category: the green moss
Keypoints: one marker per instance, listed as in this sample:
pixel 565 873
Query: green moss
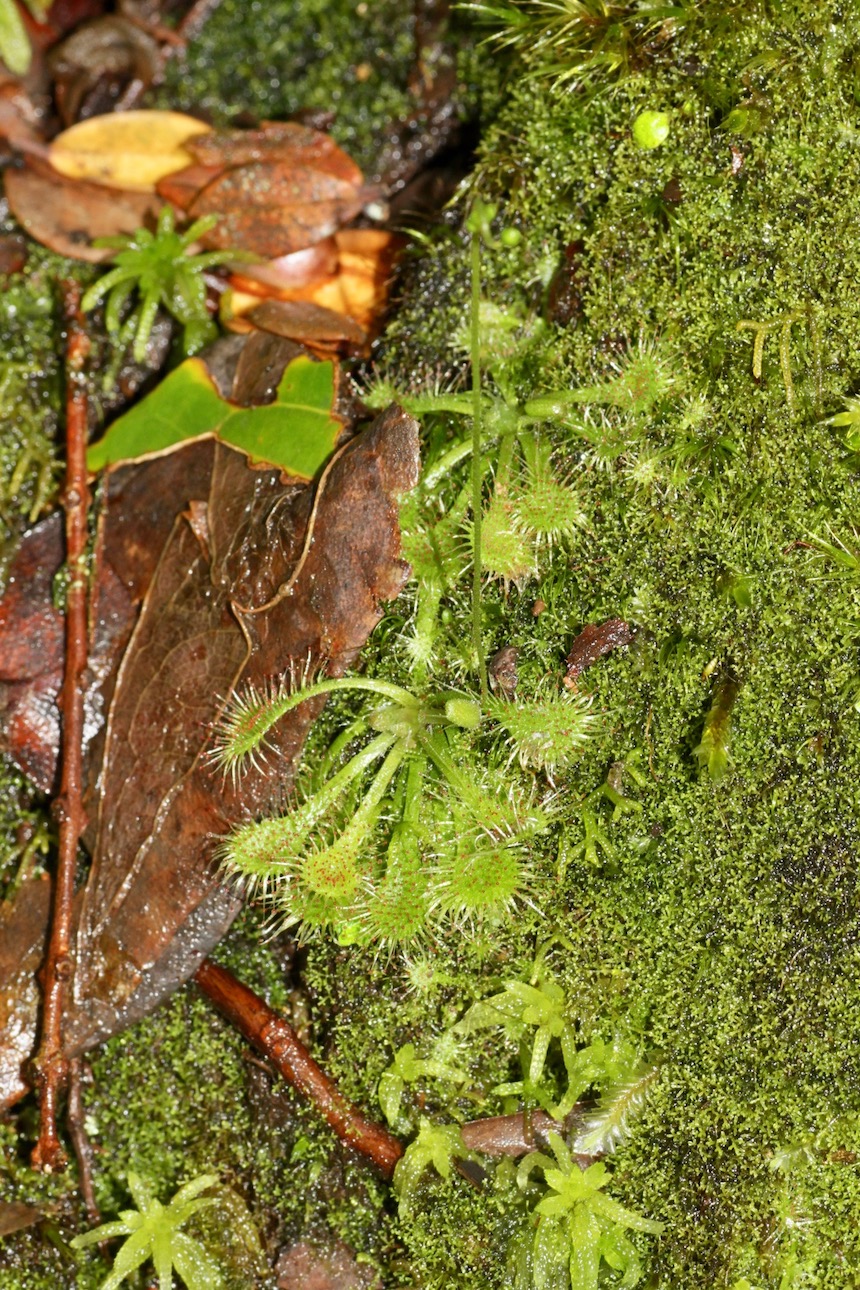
pixel 275 59
pixel 724 918
pixel 29 399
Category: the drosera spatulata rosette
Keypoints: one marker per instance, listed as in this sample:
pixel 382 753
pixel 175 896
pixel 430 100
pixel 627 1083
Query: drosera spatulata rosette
pixel 404 823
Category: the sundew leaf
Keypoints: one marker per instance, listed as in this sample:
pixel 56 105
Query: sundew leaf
pixel 296 433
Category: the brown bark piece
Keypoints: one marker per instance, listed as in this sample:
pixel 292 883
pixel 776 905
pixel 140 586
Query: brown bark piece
pixel 595 640
pixel 152 906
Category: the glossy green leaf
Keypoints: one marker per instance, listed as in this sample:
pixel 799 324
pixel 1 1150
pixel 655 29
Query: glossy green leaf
pixel 296 433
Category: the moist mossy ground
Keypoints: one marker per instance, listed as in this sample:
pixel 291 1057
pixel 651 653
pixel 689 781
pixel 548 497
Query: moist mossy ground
pixel 719 926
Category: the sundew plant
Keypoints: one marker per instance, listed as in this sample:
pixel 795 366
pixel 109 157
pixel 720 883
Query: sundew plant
pixel 413 815
pixel 409 818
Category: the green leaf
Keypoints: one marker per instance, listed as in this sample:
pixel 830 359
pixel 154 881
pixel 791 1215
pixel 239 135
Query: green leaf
pixel 296 433
pixel 14 43
pixel 106 1232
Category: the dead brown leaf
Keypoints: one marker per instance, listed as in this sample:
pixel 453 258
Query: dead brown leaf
pixel 274 208
pixel 99 60
pixel 182 186
pixel 15 1216
pixel 595 640
pixel 68 214
pixel 284 142
pixel 210 618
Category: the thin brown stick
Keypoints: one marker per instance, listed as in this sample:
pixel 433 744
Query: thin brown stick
pixel 50 1068
pixel 80 1140
pixel 277 1040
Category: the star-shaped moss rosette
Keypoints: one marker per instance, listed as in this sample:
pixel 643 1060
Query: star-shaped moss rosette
pixel 158 266
pixel 577 1226
pixel 154 1233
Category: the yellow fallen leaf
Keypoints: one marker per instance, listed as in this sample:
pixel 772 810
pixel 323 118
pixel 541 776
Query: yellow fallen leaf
pixel 131 150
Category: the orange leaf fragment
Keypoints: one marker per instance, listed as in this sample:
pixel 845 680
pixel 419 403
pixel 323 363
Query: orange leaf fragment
pixel 367 259
pixel 130 150
pixel 357 289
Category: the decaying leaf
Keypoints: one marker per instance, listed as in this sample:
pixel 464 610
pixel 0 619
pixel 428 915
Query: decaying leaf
pixel 13 253
pixel 99 59
pixel 356 286
pixel 272 208
pixel 215 611
pixel 296 433
pixel 31 640
pixel 276 190
pixel 67 214
pixel 595 640
pixel 15 1216
pixel 130 150
pixel 287 143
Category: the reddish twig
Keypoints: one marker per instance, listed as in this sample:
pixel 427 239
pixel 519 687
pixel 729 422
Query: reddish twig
pixel 50 1068
pixel 277 1040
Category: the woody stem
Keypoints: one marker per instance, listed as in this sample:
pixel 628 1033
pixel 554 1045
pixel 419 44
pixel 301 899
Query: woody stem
pixel 50 1067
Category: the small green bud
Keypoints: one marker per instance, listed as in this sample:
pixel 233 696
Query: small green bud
pixel 650 129
pixel 510 237
pixel 480 217
pixel 351 934
pixel 463 712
